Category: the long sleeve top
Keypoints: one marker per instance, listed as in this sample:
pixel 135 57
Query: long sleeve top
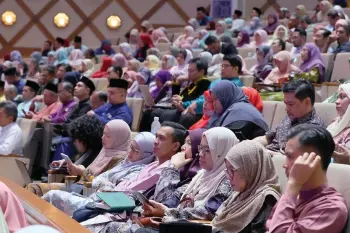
pixel 108 112
pixel 11 139
pixel 61 115
pixel 47 110
pixel 320 210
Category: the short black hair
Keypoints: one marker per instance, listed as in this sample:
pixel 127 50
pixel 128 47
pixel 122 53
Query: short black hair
pixel 238 13
pixel 282 43
pixel 10 109
pixel 301 88
pixel 87 129
pixel 258 11
pixel 118 69
pixel 68 68
pixel 51 69
pixel 317 137
pixel 332 13
pixel 202 9
pixel 102 95
pixel 179 133
pixel 200 64
pixel 211 40
pixel 301 31
pixel 234 60
pixel 326 33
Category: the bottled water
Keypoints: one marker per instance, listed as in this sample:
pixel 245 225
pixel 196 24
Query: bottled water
pixel 155 125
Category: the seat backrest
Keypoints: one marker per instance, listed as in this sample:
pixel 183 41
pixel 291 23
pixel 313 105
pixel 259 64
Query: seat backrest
pixel 247 80
pixel 250 62
pixel 136 106
pixel 341 67
pixel 334 173
pixel 102 84
pixel 27 127
pixel 279 114
pixel 246 52
pixel 269 111
pixel 196 52
pixel 97 67
pixel 163 47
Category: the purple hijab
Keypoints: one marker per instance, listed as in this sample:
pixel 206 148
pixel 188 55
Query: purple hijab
pixel 191 169
pixel 245 39
pixel 270 29
pixel 163 76
pixel 314 60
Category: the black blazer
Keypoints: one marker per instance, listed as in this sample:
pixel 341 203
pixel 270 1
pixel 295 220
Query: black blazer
pixel 228 49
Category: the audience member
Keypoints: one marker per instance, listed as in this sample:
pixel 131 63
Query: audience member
pixel 264 63
pixel 105 48
pixel 221 29
pixel 333 17
pixel 11 133
pixel 298 41
pixel 214 69
pixel 183 58
pixel 29 92
pixel 309 150
pixel 77 45
pixel 47 75
pixel 281 32
pixel 322 15
pixel 58 44
pixel 98 99
pixel 253 26
pixel 185 38
pixel 215 46
pixel 10 93
pixel 260 38
pixel 61 57
pixel 313 67
pixel 272 23
pixel 342 37
pixel 46 48
pixel 87 68
pixel 256 12
pixel 12 78
pixel 2 91
pixel 127 50
pixel 231 67
pixel 146 27
pixel 202 16
pixel 306 24
pixel 320 39
pixel 277 46
pixel 33 70
pixel 106 63
pixel 145 44
pixel 300 10
pixel 237 23
pixel 243 39
pixel 299 97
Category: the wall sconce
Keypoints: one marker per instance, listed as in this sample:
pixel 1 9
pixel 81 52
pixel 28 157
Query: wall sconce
pixel 114 22
pixel 61 20
pixel 8 18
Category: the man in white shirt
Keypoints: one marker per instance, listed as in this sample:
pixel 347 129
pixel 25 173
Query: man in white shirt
pixel 10 132
pixel 238 23
pixel 29 92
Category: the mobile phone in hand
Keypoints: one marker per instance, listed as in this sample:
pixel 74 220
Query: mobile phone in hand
pixel 66 158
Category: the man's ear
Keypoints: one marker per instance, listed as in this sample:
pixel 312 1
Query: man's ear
pixel 176 146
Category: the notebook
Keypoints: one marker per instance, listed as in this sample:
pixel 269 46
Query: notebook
pixel 24 171
pixel 118 201
pixel 147 95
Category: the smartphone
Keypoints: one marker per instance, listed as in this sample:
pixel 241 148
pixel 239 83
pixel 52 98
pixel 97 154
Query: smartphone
pixel 24 112
pixel 142 198
pixel 66 157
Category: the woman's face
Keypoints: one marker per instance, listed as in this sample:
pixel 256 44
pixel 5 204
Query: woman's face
pixel 297 11
pixel 257 38
pixel 280 33
pixel 140 80
pixel 205 160
pixel 282 66
pixel 218 108
pixel 219 28
pixel 51 59
pixel 133 39
pixel 31 66
pixel 304 53
pixel 180 59
pixel 259 56
pixel 134 152
pixel 239 38
pixel 270 20
pixel 323 8
pixel 208 107
pixel 275 46
pixel 164 63
pixel 187 148
pixel 107 139
pixel 130 67
pixel 83 67
pixel 342 103
pixel 237 182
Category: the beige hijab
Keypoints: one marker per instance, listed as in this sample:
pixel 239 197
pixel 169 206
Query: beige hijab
pixel 205 183
pixel 89 68
pixel 121 134
pixel 255 165
pixel 341 123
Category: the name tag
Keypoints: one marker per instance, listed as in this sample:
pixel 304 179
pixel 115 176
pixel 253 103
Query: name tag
pixel 109 116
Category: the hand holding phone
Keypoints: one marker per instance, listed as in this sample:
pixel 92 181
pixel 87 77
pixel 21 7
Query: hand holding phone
pixel 66 158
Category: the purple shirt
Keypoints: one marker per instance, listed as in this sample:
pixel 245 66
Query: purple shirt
pixel 61 115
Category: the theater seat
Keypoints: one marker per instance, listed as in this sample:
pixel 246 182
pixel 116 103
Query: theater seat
pixel 102 84
pixel 247 80
pixel 246 52
pixel 269 111
pixel 136 106
pixel 341 67
pixel 163 47
pixel 28 127
pixel 250 62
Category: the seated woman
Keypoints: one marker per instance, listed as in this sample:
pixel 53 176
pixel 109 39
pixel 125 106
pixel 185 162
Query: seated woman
pixel 130 76
pixel 183 58
pixel 139 155
pixel 208 111
pixel 33 70
pixel 90 54
pixel 281 32
pixel 214 68
pixel 199 42
pixel 208 189
pixel 155 52
pixel 87 68
pixel 12 209
pixel 206 56
pixel 253 26
pixel 119 60
pixel 264 63
pixel 134 65
pixel 134 37
pixel 102 73
pixel 254 179
pixel 152 63
pixel 313 67
pixel 142 78
pixel 168 62
pixel 105 48
pixel 233 110
pixel 185 38
pixel 127 50
pixel 322 15
pixel 221 29
pixel 260 38
pixel 145 44
pixel 158 36
pixel 272 23
pixel 115 139
pixel 243 39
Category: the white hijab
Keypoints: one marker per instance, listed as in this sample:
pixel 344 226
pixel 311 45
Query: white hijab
pixel 340 123
pixel 205 183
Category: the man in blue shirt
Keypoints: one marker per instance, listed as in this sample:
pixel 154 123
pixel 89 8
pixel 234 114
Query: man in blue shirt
pixel 202 16
pixel 116 108
pixel 12 77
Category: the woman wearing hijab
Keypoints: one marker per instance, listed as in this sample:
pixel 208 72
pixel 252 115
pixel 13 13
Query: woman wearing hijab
pixel 105 48
pixel 61 57
pixel 146 27
pixel 243 39
pixel 51 57
pixel 254 25
pixel 87 68
pixel 119 60
pixel 233 110
pixel 126 50
pixel 134 65
pixel 168 62
pixel 145 44
pixel 140 154
pixel 76 57
pixel 260 38
pixel 33 70
pixel 152 63
pixel 313 67
pixel 300 10
pixel 106 63
pixel 193 23
pixel 206 56
pixel 340 11
pixel 134 37
pixel 155 52
pixel 199 42
pixel 264 63
pixel 229 22
pixel 208 111
pixel 38 57
pixel 130 76
pixel 254 179
pixel 12 210
pixel 221 29
pixel 322 15
pixel 15 55
pixel 142 78
pixel 281 32
pixel 272 23
pixel 185 38
pixel 158 36
pixel 214 68
pixel 183 58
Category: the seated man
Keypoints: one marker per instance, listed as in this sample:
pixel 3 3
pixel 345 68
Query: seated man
pixel 298 40
pixel 116 108
pixel 65 94
pixel 308 203
pixel 341 35
pixel 231 68
pixel 12 77
pixel 299 97
pixel 60 72
pixel 97 99
pixel 11 94
pixel 47 75
pixel 215 46
pixel 2 91
pixel 51 103
pixel 10 132
pixel 29 92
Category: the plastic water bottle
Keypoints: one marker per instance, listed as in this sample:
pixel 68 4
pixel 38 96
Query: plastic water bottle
pixel 155 125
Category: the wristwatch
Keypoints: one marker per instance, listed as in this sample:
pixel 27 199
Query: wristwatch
pixel 172 166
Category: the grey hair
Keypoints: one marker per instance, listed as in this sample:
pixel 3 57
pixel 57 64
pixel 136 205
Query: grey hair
pixel 67 86
pixel 10 109
pixel 36 64
pixel 12 88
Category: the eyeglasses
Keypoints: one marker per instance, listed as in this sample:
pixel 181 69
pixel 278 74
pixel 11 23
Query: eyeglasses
pixel 230 172
pixel 203 149
pixel 225 66
pixel 133 149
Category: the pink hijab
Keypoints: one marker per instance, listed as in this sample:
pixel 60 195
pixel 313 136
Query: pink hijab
pixel 119 130
pixel 120 60
pixel 12 209
pixel 263 36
